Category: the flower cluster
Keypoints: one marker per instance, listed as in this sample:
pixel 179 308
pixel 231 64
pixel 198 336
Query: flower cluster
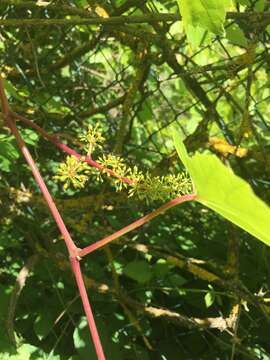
pixel 93 138
pixel 73 172
pixel 145 187
pixel 153 188
pixel 115 165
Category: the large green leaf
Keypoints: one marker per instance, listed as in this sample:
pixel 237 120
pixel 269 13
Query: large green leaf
pixel 201 15
pixel 221 190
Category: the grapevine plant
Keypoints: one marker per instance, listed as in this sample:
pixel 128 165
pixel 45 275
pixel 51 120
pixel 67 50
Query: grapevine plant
pixel 75 171
pixel 211 183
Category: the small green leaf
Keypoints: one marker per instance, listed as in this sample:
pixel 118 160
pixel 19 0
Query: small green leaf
pixel 23 352
pixel 8 152
pixel 236 36
pixel 177 280
pixel 209 298
pixel 139 271
pixel 8 148
pixel 260 5
pixel 29 136
pixel 203 14
pixel 161 268
pixel 43 324
pixel 221 190
pixel 12 91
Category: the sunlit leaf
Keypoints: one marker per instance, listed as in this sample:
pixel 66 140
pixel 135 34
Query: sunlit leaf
pixel 221 190
pixel 200 15
pixel 210 297
pixel 236 35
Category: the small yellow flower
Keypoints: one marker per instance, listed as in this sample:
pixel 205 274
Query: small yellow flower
pixel 142 185
pixel 92 138
pixel 73 171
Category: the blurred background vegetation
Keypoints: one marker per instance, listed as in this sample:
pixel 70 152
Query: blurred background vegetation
pixel 188 285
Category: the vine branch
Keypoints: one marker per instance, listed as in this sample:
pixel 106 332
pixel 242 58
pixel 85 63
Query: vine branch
pixel 254 17
pixel 136 224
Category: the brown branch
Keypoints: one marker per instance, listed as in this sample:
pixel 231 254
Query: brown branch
pixel 156 312
pixel 114 20
pixel 102 109
pixel 142 70
pixel 63 9
pixel 71 55
pixel 4 100
pixel 178 319
pixel 16 292
pixel 219 323
pixel 236 288
pixel 255 17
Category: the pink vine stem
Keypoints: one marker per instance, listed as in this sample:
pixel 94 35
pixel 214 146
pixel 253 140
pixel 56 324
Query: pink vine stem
pixel 71 247
pixel 136 224
pixel 74 252
pixel 54 139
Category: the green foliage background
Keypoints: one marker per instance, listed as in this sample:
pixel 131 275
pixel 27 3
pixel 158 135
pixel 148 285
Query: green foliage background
pixel 188 285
